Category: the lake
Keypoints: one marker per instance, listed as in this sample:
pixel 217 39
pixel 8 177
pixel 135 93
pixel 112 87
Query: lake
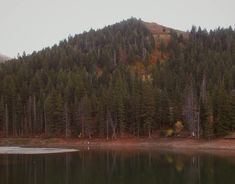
pixel 116 167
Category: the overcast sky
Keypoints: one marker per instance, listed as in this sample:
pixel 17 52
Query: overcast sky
pixel 28 25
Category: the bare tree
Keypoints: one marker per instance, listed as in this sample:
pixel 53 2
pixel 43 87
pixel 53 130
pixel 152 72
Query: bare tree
pixel 67 125
pixel 113 124
pixel 6 120
pixel 191 112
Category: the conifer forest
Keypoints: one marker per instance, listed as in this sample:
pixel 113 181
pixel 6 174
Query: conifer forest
pixel 122 80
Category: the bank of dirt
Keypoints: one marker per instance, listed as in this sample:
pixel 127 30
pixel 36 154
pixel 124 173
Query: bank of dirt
pixel 173 144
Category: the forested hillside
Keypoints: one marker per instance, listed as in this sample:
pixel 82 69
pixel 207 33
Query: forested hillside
pixel 105 84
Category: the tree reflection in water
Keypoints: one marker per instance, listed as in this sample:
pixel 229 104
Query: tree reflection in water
pixel 116 167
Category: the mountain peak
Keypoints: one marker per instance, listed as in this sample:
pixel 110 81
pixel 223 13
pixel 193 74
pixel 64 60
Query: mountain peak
pixel 157 29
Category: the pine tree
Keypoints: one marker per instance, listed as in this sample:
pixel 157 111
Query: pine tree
pixel 58 113
pixel 86 117
pixel 101 119
pixel 54 114
pixel 18 117
pixel 206 118
pixel 164 109
pixel 148 108
pixel 2 116
pixel 222 126
pixel 119 106
pixel 232 110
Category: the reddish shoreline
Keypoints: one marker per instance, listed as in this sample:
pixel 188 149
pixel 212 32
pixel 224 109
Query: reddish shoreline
pixel 172 144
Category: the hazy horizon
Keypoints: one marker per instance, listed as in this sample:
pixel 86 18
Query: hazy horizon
pixel 29 25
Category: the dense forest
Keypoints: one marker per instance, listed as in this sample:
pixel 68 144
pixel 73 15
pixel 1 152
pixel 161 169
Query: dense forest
pixel 89 86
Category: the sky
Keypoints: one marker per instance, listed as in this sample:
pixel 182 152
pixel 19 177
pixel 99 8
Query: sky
pixel 31 25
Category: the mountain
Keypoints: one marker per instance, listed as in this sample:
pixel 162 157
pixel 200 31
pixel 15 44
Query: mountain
pixel 3 58
pixel 128 79
pixel 162 36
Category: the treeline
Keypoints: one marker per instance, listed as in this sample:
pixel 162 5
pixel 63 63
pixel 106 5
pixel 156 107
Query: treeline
pixel 86 86
pixel 202 74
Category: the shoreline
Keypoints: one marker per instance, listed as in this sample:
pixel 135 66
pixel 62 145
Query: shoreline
pixel 130 143
pixel 218 147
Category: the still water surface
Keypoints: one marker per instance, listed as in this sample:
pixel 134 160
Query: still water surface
pixel 116 167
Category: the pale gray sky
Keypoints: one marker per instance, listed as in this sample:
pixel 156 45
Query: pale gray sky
pixel 28 25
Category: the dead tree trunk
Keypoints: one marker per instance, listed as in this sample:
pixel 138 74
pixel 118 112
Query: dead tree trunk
pixel 34 113
pixel 6 120
pixel 191 113
pixel 67 126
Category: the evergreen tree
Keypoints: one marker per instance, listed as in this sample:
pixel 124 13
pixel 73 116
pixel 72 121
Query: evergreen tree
pixel 206 118
pixel 2 116
pixel 223 113
pixel 54 114
pixel 232 110
pixel 148 108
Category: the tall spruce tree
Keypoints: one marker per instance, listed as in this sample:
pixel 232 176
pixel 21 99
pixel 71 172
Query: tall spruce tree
pixel 232 110
pixel 206 118
pixel 148 108
pixel 223 113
